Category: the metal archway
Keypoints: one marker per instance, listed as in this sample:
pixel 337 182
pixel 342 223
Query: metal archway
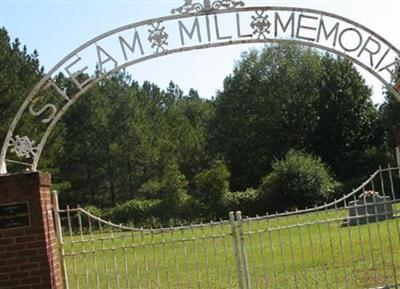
pixel 189 27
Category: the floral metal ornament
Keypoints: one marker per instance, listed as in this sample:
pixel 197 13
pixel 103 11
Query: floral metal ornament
pixel 226 4
pixel 260 25
pixel 23 147
pixel 206 6
pixel 158 37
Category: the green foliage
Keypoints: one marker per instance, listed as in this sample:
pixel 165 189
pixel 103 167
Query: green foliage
pixel 260 108
pixel 211 187
pixel 348 121
pixel 297 181
pixel 96 211
pixel 19 71
pixel 248 202
pixel 368 163
pixel 288 97
pixel 390 119
pixel 136 212
pixel 150 152
pixel 123 138
pixel 175 193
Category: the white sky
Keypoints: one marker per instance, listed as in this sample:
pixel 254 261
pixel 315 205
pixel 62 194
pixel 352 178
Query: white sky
pixel 56 27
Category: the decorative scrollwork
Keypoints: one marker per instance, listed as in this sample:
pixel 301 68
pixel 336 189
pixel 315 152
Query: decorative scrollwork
pixel 260 25
pixel 158 37
pixel 188 7
pixel 23 147
pixel 206 6
pixel 226 4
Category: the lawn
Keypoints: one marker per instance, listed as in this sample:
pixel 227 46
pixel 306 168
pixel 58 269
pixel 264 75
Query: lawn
pixel 312 250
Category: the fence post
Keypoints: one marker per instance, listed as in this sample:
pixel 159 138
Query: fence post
pixel 243 249
pixel 236 249
pixel 57 221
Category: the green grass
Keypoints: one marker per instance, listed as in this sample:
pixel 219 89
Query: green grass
pixel 312 250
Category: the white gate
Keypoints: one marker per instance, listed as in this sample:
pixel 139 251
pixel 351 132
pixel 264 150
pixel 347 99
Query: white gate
pixel 353 242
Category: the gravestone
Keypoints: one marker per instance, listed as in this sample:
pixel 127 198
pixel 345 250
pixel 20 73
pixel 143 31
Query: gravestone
pixel 28 245
pixel 371 207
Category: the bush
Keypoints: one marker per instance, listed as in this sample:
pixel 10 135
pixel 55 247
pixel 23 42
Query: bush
pixel 174 188
pixel 297 181
pixel 248 202
pixel 211 187
pixel 192 211
pixel 137 212
pixel 96 211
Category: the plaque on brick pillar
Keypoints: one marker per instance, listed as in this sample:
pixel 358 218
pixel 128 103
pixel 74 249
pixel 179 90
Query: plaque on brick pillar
pixel 28 251
pixel 14 216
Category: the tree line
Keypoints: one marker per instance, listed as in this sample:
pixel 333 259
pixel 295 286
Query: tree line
pixel 291 127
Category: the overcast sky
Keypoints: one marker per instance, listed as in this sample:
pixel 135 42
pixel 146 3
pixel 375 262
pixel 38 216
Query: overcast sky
pixel 56 27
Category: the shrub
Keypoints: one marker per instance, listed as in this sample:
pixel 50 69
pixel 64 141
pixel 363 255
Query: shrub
pixel 96 211
pixel 247 201
pixel 174 187
pixel 136 212
pixel 297 181
pixel 192 210
pixel 211 187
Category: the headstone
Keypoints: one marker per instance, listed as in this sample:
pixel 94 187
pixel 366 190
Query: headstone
pixel 371 207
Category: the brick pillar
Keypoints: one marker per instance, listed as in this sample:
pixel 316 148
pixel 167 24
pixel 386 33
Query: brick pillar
pixel 28 246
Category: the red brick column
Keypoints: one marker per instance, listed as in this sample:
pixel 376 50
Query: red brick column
pixel 28 246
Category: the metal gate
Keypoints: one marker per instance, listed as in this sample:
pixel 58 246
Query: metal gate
pixel 353 242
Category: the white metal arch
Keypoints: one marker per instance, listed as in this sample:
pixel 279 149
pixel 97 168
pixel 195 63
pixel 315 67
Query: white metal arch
pixel 260 20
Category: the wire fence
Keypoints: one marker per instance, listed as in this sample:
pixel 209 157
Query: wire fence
pixel 352 242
